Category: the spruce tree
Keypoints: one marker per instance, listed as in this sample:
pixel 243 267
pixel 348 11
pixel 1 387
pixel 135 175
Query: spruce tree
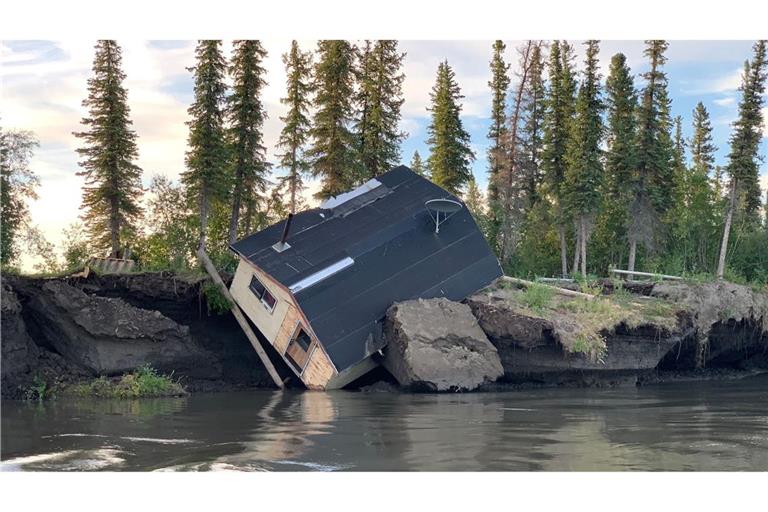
pixel 533 117
pixel 207 177
pixel 513 203
pixel 418 166
pixel 679 167
pixel 584 171
pixel 473 199
pixel 333 154
pixel 379 98
pixel 559 104
pixel 743 160
pixel 112 189
pixel 499 84
pixel 296 128
pixel 699 202
pixel 246 115
pixel 621 101
pixel 651 183
pixel 702 147
pixel 450 155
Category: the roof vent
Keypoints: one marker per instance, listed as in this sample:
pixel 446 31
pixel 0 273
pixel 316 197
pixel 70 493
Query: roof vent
pixel 441 210
pixel 282 245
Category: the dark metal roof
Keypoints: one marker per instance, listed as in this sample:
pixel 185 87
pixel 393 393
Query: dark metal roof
pixel 397 256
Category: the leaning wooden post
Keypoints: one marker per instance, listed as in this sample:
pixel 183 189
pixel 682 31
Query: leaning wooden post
pixel 211 269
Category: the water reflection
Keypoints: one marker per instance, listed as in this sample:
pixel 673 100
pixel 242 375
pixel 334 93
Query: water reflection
pixel 704 426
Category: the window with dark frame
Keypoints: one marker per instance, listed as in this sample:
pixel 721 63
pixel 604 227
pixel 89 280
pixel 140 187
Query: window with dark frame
pixel 303 339
pixel 261 292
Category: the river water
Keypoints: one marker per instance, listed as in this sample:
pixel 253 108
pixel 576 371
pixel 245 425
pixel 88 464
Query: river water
pixel 683 426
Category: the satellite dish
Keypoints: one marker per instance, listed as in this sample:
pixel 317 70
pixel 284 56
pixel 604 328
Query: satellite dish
pixel 441 210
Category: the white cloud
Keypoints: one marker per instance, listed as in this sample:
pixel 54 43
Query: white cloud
pixel 725 102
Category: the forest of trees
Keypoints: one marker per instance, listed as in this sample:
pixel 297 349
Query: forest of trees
pixel 584 172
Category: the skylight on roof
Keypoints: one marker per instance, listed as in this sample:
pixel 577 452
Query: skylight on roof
pixel 333 202
pixel 321 275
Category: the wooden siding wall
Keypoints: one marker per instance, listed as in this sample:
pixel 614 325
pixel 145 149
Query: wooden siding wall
pixel 281 325
pixel 268 323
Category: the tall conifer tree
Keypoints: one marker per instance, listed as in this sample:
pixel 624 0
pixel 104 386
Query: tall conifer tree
pixel 621 102
pixel 584 172
pixel 246 114
pixel 379 98
pixel 560 104
pixel 295 133
pixel 499 84
pixel 698 204
pixel 652 181
pixel 533 116
pixel 333 154
pixel 743 160
pixel 207 177
pixel 112 189
pixel 450 155
pixel 512 182
pixel 679 166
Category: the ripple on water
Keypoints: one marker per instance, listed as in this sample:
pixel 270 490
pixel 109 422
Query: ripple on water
pixel 70 460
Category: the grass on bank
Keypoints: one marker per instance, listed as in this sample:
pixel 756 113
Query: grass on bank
pixel 144 382
pixel 580 322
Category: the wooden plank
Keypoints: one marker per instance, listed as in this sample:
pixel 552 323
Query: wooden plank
pixel 645 274
pixel 211 269
pixel 561 291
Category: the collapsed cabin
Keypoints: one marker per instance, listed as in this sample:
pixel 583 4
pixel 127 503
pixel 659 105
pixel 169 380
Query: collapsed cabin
pixel 318 284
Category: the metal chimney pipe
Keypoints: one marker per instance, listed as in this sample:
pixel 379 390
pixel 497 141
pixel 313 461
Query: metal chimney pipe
pixel 286 229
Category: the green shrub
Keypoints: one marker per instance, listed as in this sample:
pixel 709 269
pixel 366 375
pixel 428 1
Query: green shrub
pixel 214 298
pixel 39 389
pixel 144 382
pixel 538 296
pixel 591 345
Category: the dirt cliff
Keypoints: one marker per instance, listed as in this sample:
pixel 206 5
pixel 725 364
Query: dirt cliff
pixel 63 330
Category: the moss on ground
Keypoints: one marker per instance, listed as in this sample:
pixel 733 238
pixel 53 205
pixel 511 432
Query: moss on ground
pixel 143 382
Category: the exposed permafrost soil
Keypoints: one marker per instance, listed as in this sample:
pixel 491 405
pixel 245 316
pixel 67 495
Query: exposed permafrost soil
pixel 66 330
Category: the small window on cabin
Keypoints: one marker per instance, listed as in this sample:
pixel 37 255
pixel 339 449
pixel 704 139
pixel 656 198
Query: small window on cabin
pixel 303 339
pixel 261 292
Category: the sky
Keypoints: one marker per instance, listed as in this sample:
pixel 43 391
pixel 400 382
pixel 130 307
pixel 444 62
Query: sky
pixel 43 83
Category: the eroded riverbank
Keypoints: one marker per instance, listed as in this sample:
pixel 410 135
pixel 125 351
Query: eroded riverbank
pixel 63 331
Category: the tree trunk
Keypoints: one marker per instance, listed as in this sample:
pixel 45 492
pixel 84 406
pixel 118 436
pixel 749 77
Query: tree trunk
pixel 248 215
pixel 114 230
pixel 563 251
pixel 583 242
pixel 512 136
pixel 234 219
pixel 203 217
pixel 293 183
pixel 576 252
pixel 726 231
pixel 632 253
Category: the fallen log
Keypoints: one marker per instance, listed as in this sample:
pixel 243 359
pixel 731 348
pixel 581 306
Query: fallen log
pixel 645 274
pixel 560 291
pixel 211 269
